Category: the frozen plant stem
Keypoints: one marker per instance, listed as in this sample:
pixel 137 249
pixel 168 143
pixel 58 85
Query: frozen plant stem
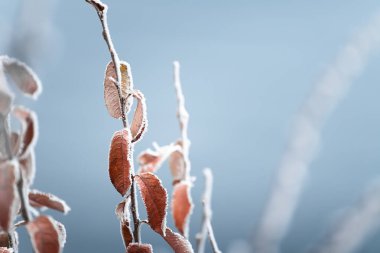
pixel 101 10
pixel 206 219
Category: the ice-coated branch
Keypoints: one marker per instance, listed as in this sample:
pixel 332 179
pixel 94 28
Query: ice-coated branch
pixel 207 230
pixel 183 117
pixel 304 140
pixel 359 222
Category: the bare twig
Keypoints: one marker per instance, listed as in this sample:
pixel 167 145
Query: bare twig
pixel 206 219
pixel 134 211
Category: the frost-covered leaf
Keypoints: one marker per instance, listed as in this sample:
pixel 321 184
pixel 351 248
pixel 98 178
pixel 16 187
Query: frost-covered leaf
pixel 111 94
pixel 41 199
pixel 24 78
pixel 9 199
pixel 139 122
pixel 182 206
pixel 15 140
pixel 6 250
pixel 27 165
pixel 6 100
pixel 45 235
pixel 61 233
pixel 122 212
pixel 177 166
pixel 177 242
pixel 120 160
pixel 29 124
pixel 155 199
pixel 139 248
pixel 4 239
pixel 151 160
pixel 126 78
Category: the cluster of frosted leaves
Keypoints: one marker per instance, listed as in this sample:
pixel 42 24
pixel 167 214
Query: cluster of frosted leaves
pixel 181 203
pixel 17 164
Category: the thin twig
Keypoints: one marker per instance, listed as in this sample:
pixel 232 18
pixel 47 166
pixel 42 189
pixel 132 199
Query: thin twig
pixel 206 219
pixel 135 213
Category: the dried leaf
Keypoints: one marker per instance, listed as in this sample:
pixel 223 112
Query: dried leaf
pixel 41 199
pixel 27 165
pixel 177 242
pixel 24 78
pixel 29 124
pixel 139 122
pixel 177 166
pixel 139 248
pixel 15 143
pixel 151 161
pixel 10 202
pixel 126 78
pixel 5 250
pixel 120 161
pixel 122 212
pixel 155 199
pixel 111 94
pixel 45 235
pixel 182 207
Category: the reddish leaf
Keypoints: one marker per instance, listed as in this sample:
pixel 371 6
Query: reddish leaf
pixel 111 94
pixel 120 160
pixel 139 248
pixel 28 120
pixel 15 143
pixel 45 235
pixel 177 242
pixel 122 212
pixel 5 250
pixel 27 165
pixel 177 166
pixel 24 78
pixel 155 199
pixel 4 239
pixel 139 122
pixel 182 207
pixel 151 161
pixel 9 199
pixel 40 199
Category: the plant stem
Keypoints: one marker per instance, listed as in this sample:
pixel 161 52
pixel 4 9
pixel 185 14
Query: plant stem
pixel 135 214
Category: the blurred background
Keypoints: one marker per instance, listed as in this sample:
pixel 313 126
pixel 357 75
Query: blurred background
pixel 247 70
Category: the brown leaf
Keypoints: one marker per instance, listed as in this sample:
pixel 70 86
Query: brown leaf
pixel 40 199
pixel 24 78
pixel 126 79
pixel 29 124
pixel 122 212
pixel 120 160
pixel 182 206
pixel 111 94
pixel 5 250
pixel 139 248
pixel 10 202
pixel 139 122
pixel 27 165
pixel 155 199
pixel 151 161
pixel 177 242
pixel 177 166
pixel 45 235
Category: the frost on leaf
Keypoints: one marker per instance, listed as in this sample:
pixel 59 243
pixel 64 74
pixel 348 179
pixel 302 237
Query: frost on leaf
pixel 120 160
pixel 122 212
pixel 45 235
pixel 177 166
pixel 28 121
pixel 151 160
pixel 61 233
pixel 9 199
pixel 5 250
pixel 139 122
pixel 15 143
pixel 126 79
pixel 177 242
pixel 27 165
pixel 139 248
pixel 24 78
pixel 40 199
pixel 182 207
pixel 155 199
pixel 5 102
pixel 111 94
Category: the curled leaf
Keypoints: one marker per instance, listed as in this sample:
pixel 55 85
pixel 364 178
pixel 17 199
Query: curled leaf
pixel 5 102
pixel 9 198
pixel 177 166
pixel 139 248
pixel 182 207
pixel 126 78
pixel 152 160
pixel 177 242
pixel 111 94
pixel 24 77
pixel 29 124
pixel 45 235
pixel 41 199
pixel 122 212
pixel 15 140
pixel 155 199
pixel 27 165
pixel 139 122
pixel 120 160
